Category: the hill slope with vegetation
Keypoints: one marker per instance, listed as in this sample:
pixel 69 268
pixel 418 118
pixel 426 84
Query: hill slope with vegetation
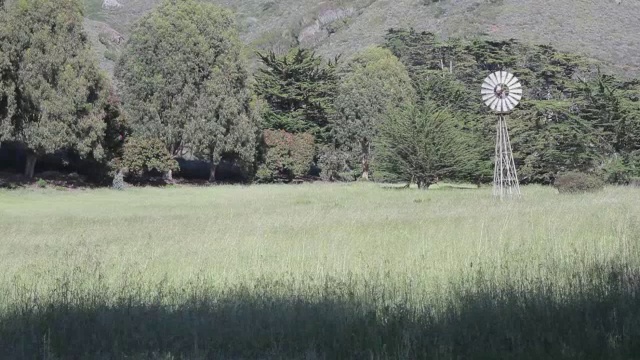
pixel 606 30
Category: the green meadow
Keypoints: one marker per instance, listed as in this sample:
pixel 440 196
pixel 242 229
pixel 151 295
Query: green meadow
pixel 319 271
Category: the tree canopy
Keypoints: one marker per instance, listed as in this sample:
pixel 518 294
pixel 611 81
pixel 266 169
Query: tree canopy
pixel 374 85
pixel 52 94
pixel 185 82
pixel 572 117
pixel 299 89
pixel 422 144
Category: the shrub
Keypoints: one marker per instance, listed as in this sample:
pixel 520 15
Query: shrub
pixel 41 183
pixel 334 165
pixel 577 182
pixel 111 55
pixel 141 156
pixel 286 156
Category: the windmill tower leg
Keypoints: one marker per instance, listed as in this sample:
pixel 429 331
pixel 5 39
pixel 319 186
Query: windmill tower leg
pixel 505 176
pixel 497 172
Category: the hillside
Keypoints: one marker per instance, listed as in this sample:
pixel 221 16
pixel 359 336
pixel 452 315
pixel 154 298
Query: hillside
pixel 606 30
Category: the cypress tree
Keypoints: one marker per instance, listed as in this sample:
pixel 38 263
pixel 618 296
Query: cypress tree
pixel 299 89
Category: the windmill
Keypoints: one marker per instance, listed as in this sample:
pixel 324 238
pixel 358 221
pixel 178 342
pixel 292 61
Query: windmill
pixel 501 91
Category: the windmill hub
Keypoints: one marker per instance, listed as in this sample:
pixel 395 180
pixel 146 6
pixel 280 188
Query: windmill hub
pixel 501 91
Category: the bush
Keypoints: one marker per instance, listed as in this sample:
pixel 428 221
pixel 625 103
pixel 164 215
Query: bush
pixel 577 182
pixel 334 165
pixel 111 55
pixel 142 156
pixel 285 156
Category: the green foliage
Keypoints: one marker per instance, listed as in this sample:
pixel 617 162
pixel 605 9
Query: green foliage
pixel 374 86
pixel 111 52
pixel 41 183
pixel 185 81
pixel 616 171
pixel 577 182
pixel 571 118
pixel 336 165
pixel 111 55
pixel 52 93
pixel 142 156
pixel 424 145
pixel 286 156
pixel 299 89
pixel 117 128
pixel 548 138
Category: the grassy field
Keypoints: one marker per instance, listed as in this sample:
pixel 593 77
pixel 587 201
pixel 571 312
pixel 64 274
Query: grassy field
pixel 318 272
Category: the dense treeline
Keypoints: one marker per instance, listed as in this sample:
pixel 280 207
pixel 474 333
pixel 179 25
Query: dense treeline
pixel 406 111
pixel 572 116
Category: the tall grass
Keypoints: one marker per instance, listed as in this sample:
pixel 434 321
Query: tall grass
pixel 318 272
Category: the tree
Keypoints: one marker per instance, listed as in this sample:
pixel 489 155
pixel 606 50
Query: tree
pixel 423 144
pixel 299 89
pixel 52 93
pixel 613 109
pixel 375 85
pixel 184 81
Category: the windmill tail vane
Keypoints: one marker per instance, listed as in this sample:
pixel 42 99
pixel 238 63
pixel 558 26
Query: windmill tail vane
pixel 501 92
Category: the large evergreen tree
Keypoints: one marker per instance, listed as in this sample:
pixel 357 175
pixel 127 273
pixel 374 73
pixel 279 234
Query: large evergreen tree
pixel 185 82
pixel 613 109
pixel 424 145
pixel 299 89
pixel 52 95
pixel 375 85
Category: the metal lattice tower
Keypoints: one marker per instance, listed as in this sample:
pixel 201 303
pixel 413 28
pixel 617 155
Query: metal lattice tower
pixel 501 91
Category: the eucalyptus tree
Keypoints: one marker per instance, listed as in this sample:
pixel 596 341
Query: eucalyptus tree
pixel 184 81
pixel 52 94
pixel 375 85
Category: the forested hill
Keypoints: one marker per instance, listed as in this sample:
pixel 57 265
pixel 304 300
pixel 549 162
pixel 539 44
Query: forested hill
pixel 606 30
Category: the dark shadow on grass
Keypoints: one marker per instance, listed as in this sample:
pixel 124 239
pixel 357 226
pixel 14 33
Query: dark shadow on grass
pixel 597 317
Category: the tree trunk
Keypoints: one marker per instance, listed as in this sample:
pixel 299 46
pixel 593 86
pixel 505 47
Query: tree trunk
pixel 212 172
pixel 168 176
pixel 408 186
pixel 365 169
pixel 423 184
pixel 365 161
pixel 30 166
